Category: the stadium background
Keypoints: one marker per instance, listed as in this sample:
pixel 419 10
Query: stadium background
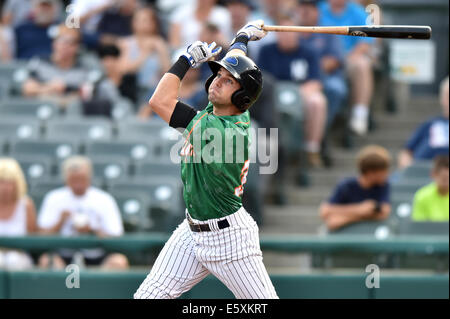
pixel 304 261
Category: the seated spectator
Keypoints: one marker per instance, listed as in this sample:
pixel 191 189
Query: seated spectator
pixel 186 22
pixel 116 22
pixel 17 213
pixel 113 87
pixel 6 39
pixel 15 12
pixel 431 138
pixel 145 53
pixel 79 208
pixel 289 60
pixel 61 77
pixel 361 198
pixel 358 60
pixel 211 33
pixel 331 56
pixel 431 201
pixel 32 38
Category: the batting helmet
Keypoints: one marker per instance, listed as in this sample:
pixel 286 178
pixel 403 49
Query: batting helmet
pixel 246 72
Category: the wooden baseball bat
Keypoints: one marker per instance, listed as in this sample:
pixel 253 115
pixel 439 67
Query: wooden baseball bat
pixel 375 31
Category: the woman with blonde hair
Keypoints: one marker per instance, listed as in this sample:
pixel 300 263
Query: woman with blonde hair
pixel 17 213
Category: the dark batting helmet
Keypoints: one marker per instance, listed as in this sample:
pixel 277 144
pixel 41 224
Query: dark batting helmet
pixel 246 72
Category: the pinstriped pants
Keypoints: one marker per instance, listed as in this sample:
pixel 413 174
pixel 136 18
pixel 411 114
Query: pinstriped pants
pixel 232 254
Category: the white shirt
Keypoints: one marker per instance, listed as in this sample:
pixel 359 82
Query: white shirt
pixel 99 207
pixel 16 225
pixel 191 27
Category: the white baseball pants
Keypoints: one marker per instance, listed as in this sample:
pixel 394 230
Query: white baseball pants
pixel 232 254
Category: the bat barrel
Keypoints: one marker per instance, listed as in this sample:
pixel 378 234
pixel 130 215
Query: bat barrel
pixel 396 32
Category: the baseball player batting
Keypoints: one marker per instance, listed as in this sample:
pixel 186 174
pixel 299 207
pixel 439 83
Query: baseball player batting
pixel 218 236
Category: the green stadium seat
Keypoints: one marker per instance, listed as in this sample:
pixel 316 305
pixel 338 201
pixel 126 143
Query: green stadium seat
pixel 419 170
pixel 135 151
pixel 160 132
pixel 406 188
pixel 87 129
pixel 34 168
pixel 106 169
pixel 15 128
pixel 289 105
pixel 157 169
pixel 165 196
pixel 379 230
pixel 423 228
pixel 135 210
pixel 33 108
pixel 54 151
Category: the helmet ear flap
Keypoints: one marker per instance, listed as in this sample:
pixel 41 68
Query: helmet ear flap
pixel 241 100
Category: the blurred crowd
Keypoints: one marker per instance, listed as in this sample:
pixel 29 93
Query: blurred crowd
pixel 101 52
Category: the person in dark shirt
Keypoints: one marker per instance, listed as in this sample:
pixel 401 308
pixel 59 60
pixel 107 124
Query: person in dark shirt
pixel 33 37
pixel 289 60
pixel 431 138
pixel 116 22
pixel 366 197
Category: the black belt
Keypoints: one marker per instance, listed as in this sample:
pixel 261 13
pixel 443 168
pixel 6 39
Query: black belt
pixel 205 227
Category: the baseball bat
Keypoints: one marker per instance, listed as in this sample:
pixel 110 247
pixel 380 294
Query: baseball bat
pixel 375 31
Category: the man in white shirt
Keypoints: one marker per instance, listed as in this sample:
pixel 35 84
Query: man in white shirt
pixel 79 208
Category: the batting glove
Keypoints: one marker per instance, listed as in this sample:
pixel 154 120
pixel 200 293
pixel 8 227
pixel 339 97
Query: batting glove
pixel 253 30
pixel 199 52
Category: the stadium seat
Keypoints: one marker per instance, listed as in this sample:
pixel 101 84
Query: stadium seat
pixel 419 170
pixel 14 128
pixel 156 130
pixel 379 230
pixel 135 210
pixel 126 150
pixel 165 197
pixel 53 151
pixel 151 169
pixel 106 169
pixel 87 129
pixel 289 105
pixel 34 168
pixel 34 108
pixel 424 228
pixel 407 187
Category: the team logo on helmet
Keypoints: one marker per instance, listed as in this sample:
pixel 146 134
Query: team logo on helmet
pixel 232 60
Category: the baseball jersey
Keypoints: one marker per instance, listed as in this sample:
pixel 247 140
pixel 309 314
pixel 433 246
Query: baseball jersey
pixel 214 163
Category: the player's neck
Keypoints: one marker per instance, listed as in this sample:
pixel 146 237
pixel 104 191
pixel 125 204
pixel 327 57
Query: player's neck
pixel 226 111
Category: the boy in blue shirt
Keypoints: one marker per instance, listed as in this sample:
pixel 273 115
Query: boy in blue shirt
pixel 365 197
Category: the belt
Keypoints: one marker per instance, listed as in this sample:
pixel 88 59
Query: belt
pixel 205 227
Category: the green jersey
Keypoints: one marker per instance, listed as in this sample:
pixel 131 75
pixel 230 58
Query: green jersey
pixel 214 163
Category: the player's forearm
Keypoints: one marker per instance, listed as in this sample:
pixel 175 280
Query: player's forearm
pixel 165 97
